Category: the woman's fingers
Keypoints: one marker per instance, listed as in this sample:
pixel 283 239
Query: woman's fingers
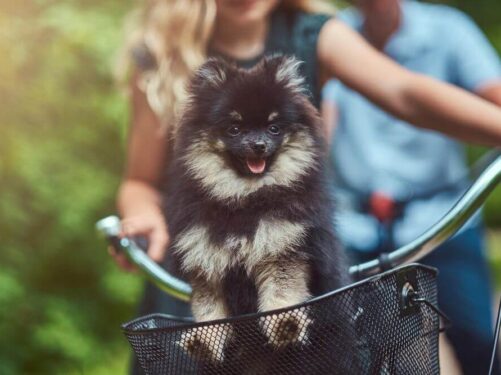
pixel 158 242
pixel 123 263
pixel 135 227
pixel 121 260
pixel 153 229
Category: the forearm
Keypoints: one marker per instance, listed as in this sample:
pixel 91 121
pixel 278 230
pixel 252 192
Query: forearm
pixel 419 100
pixel 136 197
pixel 139 199
pixel 491 92
pixel 146 157
pixel 329 119
pixel 431 104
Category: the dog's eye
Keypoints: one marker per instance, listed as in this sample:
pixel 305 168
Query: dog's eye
pixel 273 129
pixel 233 130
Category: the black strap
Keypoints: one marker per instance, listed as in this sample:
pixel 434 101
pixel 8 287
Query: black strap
pixel 384 262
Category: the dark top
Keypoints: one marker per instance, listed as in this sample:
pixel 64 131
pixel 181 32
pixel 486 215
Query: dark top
pixel 291 33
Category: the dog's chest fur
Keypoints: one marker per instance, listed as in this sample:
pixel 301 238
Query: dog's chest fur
pixel 212 250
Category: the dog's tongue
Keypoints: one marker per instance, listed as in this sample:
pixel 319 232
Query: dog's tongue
pixel 256 166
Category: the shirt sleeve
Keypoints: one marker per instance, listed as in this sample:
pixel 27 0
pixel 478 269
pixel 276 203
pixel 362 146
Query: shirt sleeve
pixel 474 61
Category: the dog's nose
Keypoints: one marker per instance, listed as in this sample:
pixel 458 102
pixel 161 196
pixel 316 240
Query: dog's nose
pixel 259 147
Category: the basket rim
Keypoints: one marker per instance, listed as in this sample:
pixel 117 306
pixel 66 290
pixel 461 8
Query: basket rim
pixel 188 322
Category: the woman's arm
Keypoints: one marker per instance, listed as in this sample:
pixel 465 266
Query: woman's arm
pixel 420 100
pixel 328 110
pixel 139 200
pixel 491 92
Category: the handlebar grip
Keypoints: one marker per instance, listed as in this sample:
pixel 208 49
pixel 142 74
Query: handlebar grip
pixel 109 227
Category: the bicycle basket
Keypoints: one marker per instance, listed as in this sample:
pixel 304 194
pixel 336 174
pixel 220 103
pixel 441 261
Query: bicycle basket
pixel 366 328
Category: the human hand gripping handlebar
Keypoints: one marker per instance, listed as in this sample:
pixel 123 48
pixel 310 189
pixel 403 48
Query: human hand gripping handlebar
pixel 109 227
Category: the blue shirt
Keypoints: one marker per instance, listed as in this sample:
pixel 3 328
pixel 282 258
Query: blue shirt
pixel 374 151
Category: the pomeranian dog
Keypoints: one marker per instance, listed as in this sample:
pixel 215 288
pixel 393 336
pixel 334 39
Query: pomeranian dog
pixel 248 210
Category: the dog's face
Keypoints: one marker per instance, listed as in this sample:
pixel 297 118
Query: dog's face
pixel 257 122
pixel 252 140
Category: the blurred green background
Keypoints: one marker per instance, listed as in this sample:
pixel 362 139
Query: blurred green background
pixel 62 131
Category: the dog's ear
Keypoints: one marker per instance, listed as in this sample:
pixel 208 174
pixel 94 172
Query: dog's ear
pixel 285 71
pixel 214 73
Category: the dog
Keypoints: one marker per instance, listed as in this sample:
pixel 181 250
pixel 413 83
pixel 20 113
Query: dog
pixel 247 206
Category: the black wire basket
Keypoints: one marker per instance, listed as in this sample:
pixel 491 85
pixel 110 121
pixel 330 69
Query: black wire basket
pixel 386 324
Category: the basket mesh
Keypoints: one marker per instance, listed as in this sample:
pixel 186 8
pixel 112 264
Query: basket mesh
pixel 362 329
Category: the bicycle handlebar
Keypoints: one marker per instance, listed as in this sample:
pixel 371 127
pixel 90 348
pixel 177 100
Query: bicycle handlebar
pixel 110 228
pixel 444 229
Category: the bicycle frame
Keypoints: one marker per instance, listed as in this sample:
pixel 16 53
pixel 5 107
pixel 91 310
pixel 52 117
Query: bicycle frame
pixel 444 229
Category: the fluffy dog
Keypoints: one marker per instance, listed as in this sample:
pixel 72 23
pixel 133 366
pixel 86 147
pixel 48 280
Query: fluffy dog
pixel 248 212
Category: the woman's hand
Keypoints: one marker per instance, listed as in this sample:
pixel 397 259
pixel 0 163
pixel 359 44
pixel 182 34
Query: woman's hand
pixel 152 228
pixel 140 206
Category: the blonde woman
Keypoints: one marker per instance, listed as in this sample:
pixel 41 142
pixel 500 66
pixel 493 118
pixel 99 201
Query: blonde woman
pixel 173 37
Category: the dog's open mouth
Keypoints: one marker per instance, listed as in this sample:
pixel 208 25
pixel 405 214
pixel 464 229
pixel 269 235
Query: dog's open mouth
pixel 256 166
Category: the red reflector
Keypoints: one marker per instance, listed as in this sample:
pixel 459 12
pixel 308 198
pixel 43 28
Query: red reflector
pixel 382 207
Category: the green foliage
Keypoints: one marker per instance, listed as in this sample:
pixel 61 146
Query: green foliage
pixel 61 299
pixel 62 125
pixel 486 15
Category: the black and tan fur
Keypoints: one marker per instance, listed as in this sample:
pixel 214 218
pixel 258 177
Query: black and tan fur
pixel 251 242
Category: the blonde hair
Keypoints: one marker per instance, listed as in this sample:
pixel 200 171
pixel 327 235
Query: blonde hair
pixel 177 33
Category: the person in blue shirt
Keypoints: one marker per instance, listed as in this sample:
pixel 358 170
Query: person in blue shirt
pixel 393 180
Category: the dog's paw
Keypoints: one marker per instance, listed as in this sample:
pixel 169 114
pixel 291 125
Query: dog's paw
pixel 287 328
pixel 207 343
